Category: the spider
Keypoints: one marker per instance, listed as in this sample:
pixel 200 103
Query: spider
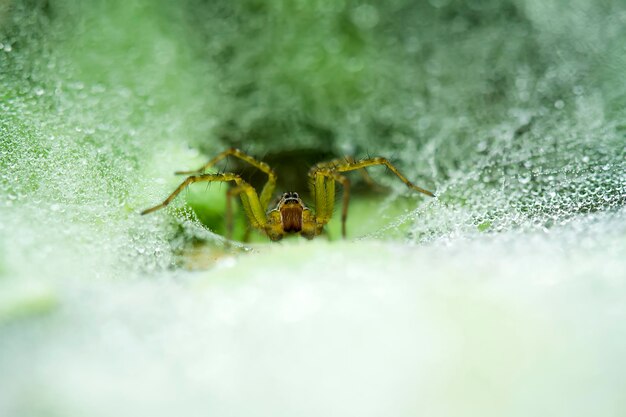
pixel 290 215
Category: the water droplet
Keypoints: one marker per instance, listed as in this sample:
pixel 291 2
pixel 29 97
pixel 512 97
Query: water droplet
pixel 559 104
pixel 98 89
pixel 365 16
pixel 354 65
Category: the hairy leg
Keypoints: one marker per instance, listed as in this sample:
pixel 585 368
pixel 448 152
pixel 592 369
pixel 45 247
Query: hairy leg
pixel 323 176
pixel 249 197
pixel 333 164
pixel 268 188
pixel 351 166
pixel 323 190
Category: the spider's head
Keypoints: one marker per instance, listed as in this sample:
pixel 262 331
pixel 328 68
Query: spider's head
pixel 290 207
pixel 290 216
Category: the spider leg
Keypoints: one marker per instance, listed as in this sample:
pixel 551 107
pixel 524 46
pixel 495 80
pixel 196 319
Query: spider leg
pixel 322 184
pixel 334 163
pixel 345 182
pixel 232 192
pixel 323 190
pixel 268 188
pixel 249 197
pixel 366 177
pixel 246 235
pixel 351 166
pixel 229 213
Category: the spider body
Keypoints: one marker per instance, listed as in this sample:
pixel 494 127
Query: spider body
pixel 290 215
pixel 291 209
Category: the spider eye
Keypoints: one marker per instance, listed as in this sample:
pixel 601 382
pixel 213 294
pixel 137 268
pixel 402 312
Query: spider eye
pixel 294 195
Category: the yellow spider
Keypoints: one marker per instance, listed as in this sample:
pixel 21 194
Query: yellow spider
pixel 290 214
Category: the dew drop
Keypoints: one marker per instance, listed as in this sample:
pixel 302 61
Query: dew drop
pixel 365 16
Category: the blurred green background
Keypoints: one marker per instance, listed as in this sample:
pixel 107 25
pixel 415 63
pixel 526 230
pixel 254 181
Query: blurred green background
pixel 512 111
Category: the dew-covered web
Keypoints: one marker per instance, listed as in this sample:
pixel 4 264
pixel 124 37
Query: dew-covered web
pixel 501 296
